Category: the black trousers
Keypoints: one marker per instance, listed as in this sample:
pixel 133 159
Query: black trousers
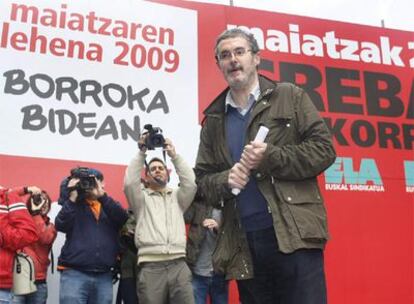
pixel 127 292
pixel 279 278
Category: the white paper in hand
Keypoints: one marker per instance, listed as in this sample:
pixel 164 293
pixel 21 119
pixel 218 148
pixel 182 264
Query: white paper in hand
pixel 260 137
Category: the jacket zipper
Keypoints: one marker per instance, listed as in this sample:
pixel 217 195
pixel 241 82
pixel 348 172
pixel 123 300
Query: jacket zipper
pixel 166 221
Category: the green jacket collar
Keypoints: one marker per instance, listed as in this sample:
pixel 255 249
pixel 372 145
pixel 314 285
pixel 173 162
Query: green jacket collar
pixel 267 87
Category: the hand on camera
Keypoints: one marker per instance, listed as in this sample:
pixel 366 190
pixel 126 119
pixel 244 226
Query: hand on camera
pixel 98 191
pixel 73 193
pixel 33 190
pixel 141 142
pixel 37 208
pixel 169 148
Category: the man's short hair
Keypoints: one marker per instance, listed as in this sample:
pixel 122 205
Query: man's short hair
pixel 237 32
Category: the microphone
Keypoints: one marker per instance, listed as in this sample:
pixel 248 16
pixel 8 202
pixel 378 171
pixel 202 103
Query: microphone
pixel 159 181
pixel 260 137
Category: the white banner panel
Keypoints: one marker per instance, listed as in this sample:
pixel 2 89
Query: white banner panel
pixel 80 79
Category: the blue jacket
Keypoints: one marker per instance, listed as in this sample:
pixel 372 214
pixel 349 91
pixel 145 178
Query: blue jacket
pixel 91 245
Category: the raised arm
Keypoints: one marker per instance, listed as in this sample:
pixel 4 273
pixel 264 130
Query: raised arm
pixel 132 183
pixel 17 228
pixel 188 187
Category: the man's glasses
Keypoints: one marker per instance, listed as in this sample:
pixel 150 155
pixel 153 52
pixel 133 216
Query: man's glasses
pixel 228 55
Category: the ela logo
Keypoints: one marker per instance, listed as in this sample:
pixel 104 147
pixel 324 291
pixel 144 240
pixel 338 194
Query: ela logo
pixel 342 176
pixel 409 176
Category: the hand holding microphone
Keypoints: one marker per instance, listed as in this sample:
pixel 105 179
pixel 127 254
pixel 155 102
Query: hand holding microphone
pixel 250 159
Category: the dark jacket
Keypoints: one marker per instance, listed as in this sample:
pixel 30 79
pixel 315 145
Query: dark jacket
pixel 91 245
pixel 299 148
pixel 194 216
pixel 129 251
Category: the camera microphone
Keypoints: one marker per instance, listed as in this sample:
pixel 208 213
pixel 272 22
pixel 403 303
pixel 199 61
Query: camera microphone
pixel 159 181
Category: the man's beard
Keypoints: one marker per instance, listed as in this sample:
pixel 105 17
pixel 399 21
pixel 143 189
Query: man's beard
pixel 235 82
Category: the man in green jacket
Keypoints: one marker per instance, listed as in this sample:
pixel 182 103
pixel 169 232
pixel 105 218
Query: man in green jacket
pixel 275 230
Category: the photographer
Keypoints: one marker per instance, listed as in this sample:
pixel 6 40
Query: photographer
pixel 163 275
pixel 17 230
pixel 39 205
pixel 91 221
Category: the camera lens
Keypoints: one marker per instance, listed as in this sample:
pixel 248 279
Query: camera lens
pixel 37 199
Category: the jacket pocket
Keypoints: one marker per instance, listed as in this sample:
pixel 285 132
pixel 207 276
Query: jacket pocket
pixel 221 255
pixel 280 123
pixel 226 249
pixel 306 208
pixel 282 130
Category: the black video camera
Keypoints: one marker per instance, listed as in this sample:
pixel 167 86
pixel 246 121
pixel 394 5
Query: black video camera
pixel 37 199
pixel 155 139
pixel 87 181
